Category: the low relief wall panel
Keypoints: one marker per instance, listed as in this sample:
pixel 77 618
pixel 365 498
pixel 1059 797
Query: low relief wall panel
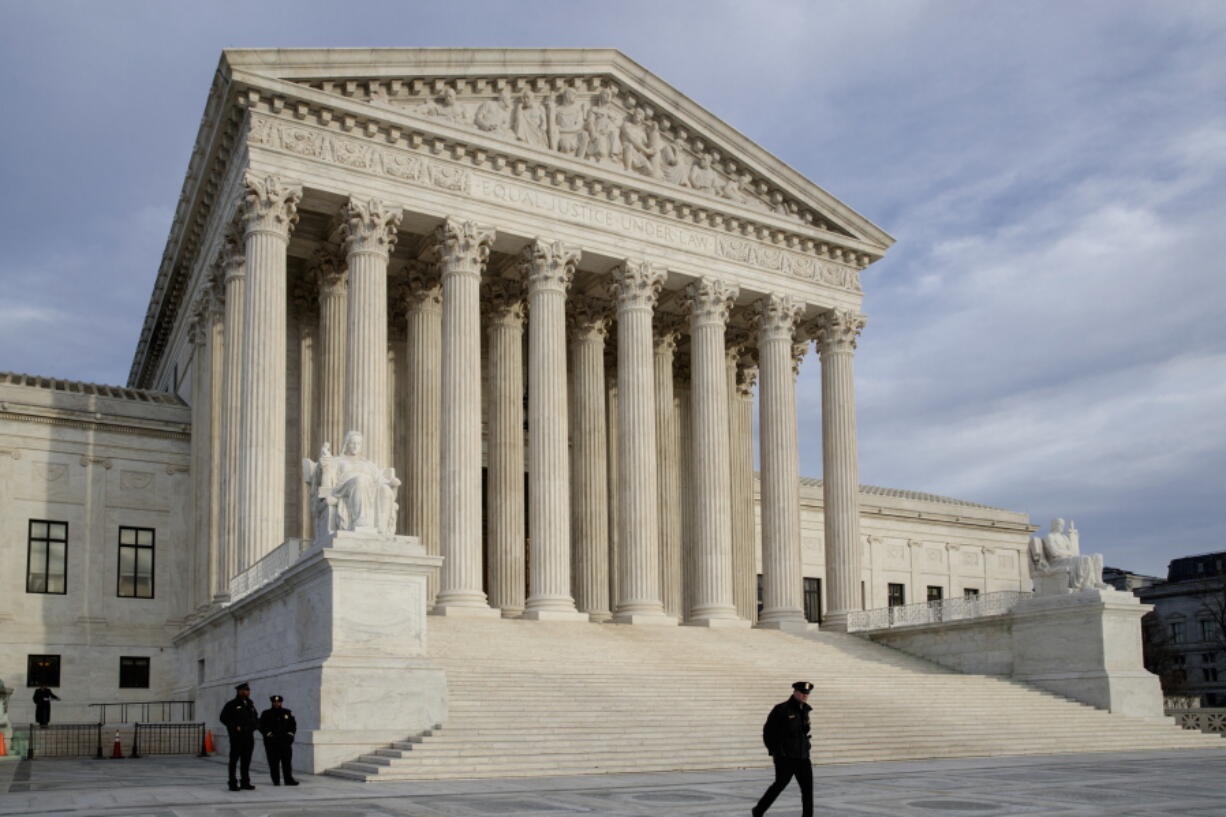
pixel 403 165
pixel 49 481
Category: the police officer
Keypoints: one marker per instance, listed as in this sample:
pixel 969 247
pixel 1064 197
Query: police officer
pixel 278 726
pixel 240 718
pixel 786 735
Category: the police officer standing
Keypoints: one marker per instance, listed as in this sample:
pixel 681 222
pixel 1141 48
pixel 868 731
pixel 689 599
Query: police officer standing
pixel 786 735
pixel 278 726
pixel 240 718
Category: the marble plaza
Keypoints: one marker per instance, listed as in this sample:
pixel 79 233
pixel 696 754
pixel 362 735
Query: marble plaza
pixel 443 337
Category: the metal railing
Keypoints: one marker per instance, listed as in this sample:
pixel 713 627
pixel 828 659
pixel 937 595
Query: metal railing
pixel 276 562
pixel 168 739
pixel 1206 720
pixel 64 740
pixel 145 711
pixel 935 612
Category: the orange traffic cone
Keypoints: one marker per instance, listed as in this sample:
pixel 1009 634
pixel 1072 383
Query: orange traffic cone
pixel 208 742
pixel 116 749
pixel 4 750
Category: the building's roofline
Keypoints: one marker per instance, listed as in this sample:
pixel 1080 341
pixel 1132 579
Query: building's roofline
pixel 898 493
pixel 95 389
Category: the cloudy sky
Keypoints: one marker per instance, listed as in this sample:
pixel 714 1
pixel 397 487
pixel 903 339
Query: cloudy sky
pixel 1047 335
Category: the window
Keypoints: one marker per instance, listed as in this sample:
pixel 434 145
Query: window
pixel 42 669
pixel 970 592
pixel 897 594
pixel 813 599
pixel 1208 658
pixel 136 563
pixel 1208 630
pixel 47 557
pixel 935 592
pixel 1209 673
pixel 133 672
pixel 760 594
pixel 1176 632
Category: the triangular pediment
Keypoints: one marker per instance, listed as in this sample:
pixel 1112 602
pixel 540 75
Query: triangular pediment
pixel 593 106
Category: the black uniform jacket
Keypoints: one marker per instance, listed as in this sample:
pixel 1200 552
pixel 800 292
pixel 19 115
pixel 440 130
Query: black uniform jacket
pixel 278 724
pixel 786 732
pixel 239 715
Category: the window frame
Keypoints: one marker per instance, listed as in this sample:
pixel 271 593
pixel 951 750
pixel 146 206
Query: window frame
pixel 901 588
pixel 46 541
pixel 54 658
pixel 811 589
pixel 136 659
pixel 970 593
pixel 940 593
pixel 136 547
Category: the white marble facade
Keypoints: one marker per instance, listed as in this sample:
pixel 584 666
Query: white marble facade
pixel 550 291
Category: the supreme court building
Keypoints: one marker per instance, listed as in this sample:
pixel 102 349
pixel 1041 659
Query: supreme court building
pixel 551 292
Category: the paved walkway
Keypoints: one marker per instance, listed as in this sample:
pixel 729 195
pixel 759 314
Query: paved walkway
pixel 1135 784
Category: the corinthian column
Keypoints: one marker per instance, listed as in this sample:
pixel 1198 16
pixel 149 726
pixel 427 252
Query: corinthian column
pixel 462 248
pixel 218 583
pixel 636 286
pixel 423 314
pixel 837 331
pixel 269 212
pixel 235 287
pixel 548 268
pixel 782 582
pixel 744 539
pixel 505 494
pixel 368 234
pixel 200 334
pixel 330 276
pixel 589 521
pixel 710 302
pixel 668 454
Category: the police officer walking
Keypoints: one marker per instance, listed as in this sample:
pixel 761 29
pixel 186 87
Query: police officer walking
pixel 278 726
pixel 240 718
pixel 786 735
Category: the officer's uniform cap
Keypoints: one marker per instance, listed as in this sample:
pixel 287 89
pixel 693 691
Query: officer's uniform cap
pixel 803 686
pixel 276 699
pixel 242 686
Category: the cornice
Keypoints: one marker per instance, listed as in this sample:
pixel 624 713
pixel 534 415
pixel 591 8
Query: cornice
pixel 91 421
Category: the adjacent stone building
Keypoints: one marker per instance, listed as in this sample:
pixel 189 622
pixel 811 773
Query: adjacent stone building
pixel 1185 644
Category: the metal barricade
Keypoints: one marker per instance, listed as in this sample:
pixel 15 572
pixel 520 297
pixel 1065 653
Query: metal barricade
pixel 64 740
pixel 145 711
pixel 168 739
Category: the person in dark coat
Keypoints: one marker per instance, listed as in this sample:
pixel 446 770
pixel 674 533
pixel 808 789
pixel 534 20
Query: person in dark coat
pixel 241 720
pixel 786 735
pixel 43 697
pixel 278 726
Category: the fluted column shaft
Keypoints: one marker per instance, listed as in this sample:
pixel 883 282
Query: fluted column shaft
pixel 269 212
pixel 782 579
pixel 235 283
pixel 505 494
pixel 636 286
pixel 710 302
pixel 668 456
pixel 369 235
pixel 589 464
pixel 462 248
pixel 200 334
pixel 744 539
pixel 423 401
pixel 217 375
pixel 333 326
pixel 548 268
pixel 837 331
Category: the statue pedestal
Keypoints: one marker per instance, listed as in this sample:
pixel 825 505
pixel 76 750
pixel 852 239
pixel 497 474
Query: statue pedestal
pixel 341 634
pixel 1086 646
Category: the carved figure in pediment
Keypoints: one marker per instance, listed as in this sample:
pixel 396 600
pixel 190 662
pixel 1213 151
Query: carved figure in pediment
pixel 568 119
pixel 737 189
pixel 603 139
pixel 445 107
pixel 531 121
pixel 704 177
pixel 640 144
pixel 494 115
pixel 674 165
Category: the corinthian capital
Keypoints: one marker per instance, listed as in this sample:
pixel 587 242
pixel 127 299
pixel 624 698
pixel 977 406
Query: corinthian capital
pixel 423 289
pixel 710 300
pixel 777 317
pixel 548 264
pixel 800 348
pixel 504 300
pixel 636 285
pixel 588 318
pixel 369 227
pixel 327 272
pixel 837 330
pixel 269 204
pixel 746 376
pixel 461 247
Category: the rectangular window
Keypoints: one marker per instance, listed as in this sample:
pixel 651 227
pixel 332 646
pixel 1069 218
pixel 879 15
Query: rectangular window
pixel 1208 630
pixel 970 592
pixel 897 594
pixel 47 557
pixel 1210 674
pixel 813 599
pixel 133 672
pixel 42 669
pixel 1208 658
pixel 935 592
pixel 1176 632
pixel 135 563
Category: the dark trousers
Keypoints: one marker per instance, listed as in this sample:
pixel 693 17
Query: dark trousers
pixel 280 754
pixel 785 769
pixel 241 746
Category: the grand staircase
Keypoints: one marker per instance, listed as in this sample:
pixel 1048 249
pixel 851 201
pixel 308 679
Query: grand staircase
pixel 530 698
